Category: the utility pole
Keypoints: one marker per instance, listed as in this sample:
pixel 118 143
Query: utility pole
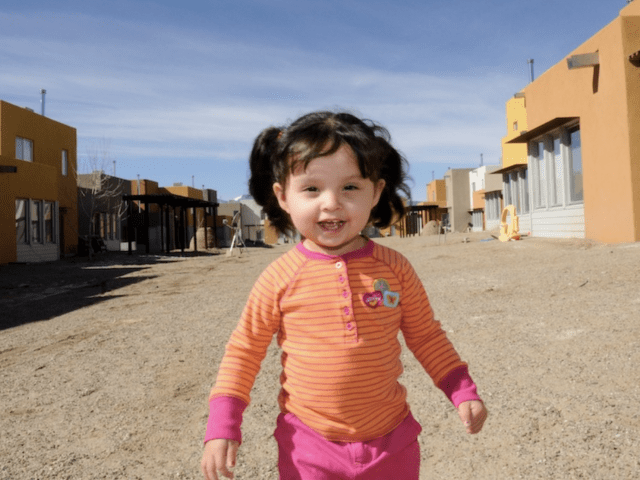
pixel 43 92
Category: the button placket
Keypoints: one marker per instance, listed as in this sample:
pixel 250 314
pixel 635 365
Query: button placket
pixel 347 309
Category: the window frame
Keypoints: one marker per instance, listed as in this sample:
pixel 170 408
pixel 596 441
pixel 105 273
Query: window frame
pixel 24 219
pixel 506 188
pixel 21 142
pixel 50 233
pixel 35 222
pixel 556 170
pixel 571 173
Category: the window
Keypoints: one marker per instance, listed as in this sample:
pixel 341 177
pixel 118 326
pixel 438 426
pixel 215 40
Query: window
pixel 575 166
pixel 524 190
pixel 539 175
pixel 49 231
pixel 65 162
pixel 507 189
pixel 493 205
pixel 515 191
pixel 557 189
pixel 21 221
pixel 515 126
pixel 35 218
pixel 556 163
pixel 24 149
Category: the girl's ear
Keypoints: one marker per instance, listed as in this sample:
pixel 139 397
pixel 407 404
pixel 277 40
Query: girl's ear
pixel 378 187
pixel 278 190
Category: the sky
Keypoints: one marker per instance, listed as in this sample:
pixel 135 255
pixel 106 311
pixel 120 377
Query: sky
pixel 176 92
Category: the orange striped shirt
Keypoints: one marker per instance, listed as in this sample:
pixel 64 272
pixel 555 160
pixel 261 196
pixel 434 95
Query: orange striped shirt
pixel 339 339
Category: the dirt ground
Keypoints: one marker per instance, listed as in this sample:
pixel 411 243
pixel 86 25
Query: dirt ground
pixel 105 366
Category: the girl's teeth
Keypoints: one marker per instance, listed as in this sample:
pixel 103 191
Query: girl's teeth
pixel 331 225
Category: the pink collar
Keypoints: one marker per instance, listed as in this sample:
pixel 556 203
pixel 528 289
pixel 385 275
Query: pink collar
pixel 361 252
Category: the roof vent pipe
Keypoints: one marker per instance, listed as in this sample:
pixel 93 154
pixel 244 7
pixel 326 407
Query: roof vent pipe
pixel 43 92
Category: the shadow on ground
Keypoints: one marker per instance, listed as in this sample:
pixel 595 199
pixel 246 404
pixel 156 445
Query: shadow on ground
pixel 36 292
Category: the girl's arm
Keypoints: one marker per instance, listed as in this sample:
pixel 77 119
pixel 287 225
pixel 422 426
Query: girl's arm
pixel 429 343
pixel 244 352
pixel 249 342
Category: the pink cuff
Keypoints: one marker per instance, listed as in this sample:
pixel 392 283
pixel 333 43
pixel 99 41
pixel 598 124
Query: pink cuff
pixel 225 418
pixel 459 387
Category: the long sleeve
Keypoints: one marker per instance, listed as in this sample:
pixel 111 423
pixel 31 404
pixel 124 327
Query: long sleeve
pixel 248 344
pixel 423 334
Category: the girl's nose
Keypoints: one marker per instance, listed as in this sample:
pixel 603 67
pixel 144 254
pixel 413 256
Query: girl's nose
pixel 330 201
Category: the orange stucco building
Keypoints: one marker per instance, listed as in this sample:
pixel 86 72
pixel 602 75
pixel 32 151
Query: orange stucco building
pixel 38 193
pixel 582 140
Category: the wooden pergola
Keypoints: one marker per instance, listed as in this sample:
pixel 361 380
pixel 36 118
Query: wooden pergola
pixel 425 213
pixel 165 203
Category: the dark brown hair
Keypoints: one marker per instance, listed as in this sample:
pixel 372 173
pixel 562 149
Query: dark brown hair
pixel 279 150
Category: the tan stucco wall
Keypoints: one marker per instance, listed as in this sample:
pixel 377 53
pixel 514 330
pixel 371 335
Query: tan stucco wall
pixel 631 44
pixel 604 98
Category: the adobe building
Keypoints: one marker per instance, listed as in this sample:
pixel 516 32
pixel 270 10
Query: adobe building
pixel 437 192
pixel 458 216
pixel 484 210
pixel 581 176
pixel 162 219
pixel 38 207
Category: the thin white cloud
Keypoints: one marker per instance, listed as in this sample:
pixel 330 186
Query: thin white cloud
pixel 172 93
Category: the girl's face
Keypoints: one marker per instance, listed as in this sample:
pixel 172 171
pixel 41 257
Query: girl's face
pixel 330 202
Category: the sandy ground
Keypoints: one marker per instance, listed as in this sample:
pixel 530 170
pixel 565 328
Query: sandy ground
pixel 105 367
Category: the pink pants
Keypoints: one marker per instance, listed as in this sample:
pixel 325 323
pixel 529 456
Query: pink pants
pixel 306 455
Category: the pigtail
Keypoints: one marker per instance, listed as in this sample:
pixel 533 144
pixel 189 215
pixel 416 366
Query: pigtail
pixel 393 170
pixel 263 176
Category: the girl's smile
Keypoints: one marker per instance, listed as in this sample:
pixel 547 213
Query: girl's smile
pixel 330 202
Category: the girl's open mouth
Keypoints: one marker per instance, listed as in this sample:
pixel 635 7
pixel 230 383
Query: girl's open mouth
pixel 331 226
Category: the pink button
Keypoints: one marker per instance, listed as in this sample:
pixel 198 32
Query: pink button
pixel 349 326
pixel 341 278
pixel 345 294
pixel 346 310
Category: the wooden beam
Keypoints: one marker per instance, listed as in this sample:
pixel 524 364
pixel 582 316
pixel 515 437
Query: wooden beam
pixel 583 60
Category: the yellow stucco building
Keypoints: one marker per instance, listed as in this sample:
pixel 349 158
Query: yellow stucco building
pixel 38 193
pixel 581 140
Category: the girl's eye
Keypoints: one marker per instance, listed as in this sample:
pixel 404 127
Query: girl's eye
pixel 310 189
pixel 351 187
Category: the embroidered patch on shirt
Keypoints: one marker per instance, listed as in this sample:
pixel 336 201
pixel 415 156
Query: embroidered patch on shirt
pixel 391 299
pixel 381 285
pixel 373 299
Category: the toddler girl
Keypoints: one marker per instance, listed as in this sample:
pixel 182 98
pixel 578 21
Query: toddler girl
pixel 336 302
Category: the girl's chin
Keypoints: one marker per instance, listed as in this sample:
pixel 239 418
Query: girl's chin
pixel 335 246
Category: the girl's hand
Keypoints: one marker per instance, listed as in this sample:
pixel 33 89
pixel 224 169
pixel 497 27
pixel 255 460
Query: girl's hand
pixel 219 457
pixel 473 414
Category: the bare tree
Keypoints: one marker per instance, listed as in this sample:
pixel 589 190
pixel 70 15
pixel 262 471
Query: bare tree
pixel 100 194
